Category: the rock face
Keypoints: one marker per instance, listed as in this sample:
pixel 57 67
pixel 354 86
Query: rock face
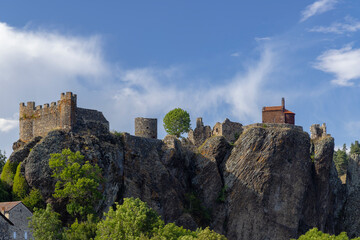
pixel 351 221
pixel 273 183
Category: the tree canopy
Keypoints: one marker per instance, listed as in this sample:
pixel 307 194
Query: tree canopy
pixel 77 181
pixel 315 234
pixel 176 122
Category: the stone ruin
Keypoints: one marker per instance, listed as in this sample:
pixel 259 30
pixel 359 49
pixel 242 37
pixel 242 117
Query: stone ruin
pixel 200 133
pixel 228 129
pixel 64 115
pixel 318 131
pixel 146 127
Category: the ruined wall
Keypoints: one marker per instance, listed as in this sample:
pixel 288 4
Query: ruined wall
pixel 200 133
pixel 228 129
pixel 146 127
pixel 318 131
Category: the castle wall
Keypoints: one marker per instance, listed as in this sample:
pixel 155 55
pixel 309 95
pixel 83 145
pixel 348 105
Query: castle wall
pixel 146 127
pixel 39 120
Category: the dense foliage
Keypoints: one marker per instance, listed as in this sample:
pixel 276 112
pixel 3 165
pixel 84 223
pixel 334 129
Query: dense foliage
pixel 20 187
pixel 135 220
pixel 131 220
pixel 77 181
pixel 45 224
pixel 34 200
pixel 176 122
pixel 8 172
pixel 315 234
pixel 341 160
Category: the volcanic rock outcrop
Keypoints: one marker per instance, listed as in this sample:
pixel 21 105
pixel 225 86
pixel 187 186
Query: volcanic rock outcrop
pixel 272 183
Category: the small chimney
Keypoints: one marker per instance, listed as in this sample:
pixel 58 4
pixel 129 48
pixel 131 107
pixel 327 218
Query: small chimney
pixel 283 103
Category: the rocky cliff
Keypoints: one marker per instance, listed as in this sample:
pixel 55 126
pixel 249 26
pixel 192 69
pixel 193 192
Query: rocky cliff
pixel 272 183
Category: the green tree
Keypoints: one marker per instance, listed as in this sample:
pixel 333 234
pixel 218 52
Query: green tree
pixel 82 230
pixel 176 122
pixel 5 192
pixel 8 172
pixel 315 234
pixel 45 224
pixel 341 161
pixel 2 160
pixel 131 220
pixel 77 181
pixel 20 187
pixel 34 200
pixel 355 148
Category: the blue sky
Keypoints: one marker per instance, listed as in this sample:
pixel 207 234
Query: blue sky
pixel 215 59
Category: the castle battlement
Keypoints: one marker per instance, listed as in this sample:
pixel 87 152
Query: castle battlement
pixel 63 114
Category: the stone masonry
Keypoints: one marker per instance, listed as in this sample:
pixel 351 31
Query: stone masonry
pixel 200 133
pixel 228 129
pixel 65 115
pixel 19 215
pixel 318 131
pixel 146 127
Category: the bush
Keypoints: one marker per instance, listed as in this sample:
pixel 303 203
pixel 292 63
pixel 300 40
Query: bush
pixel 34 200
pixel 131 220
pixel 45 224
pixel 83 230
pixel 20 187
pixel 8 173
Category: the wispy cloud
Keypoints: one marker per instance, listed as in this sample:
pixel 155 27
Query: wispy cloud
pixel 316 8
pixel 144 92
pixel 350 25
pixel 235 54
pixel 343 63
pixel 8 124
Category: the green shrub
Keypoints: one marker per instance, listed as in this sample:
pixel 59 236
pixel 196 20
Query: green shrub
pixel 196 209
pixel 222 195
pixel 34 200
pixel 8 172
pixel 20 187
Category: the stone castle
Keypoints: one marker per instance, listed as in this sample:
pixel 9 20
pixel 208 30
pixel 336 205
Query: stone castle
pixel 39 120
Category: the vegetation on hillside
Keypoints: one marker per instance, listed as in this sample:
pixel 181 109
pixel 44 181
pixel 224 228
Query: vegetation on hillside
pixel 315 234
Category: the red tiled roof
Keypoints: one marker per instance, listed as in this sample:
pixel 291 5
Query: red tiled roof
pixel 8 205
pixel 274 108
pixel 287 111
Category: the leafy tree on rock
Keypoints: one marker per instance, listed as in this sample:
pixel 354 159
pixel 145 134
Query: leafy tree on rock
pixel 34 200
pixel 45 224
pixel 131 220
pixel 77 181
pixel 341 160
pixel 176 122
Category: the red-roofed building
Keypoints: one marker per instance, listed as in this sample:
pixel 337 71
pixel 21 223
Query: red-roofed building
pixel 278 114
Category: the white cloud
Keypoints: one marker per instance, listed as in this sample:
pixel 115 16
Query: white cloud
pixel 144 92
pixel 8 124
pixel 317 7
pixel 235 54
pixel 350 25
pixel 343 63
pixel 38 65
pixel 259 39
